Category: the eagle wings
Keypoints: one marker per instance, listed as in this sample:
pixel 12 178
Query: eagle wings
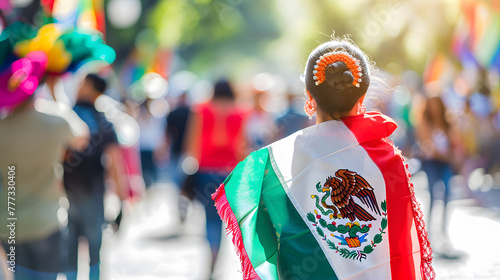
pixel 343 187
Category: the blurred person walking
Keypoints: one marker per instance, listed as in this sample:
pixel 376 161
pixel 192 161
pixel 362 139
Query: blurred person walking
pixel 334 200
pixel 215 140
pixel 485 109
pixel 150 141
pixel 32 146
pixel 84 177
pixel 260 126
pixel 437 139
pixel 175 134
pixel 292 120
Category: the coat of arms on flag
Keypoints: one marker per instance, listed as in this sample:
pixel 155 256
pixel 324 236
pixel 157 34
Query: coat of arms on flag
pixel 309 203
pixel 350 239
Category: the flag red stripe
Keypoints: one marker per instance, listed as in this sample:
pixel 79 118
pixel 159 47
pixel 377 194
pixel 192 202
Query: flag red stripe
pixel 399 208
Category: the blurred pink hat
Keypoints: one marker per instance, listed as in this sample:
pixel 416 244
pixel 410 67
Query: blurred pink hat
pixel 21 79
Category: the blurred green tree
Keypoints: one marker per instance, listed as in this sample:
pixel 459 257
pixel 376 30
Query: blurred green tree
pixel 397 35
pixel 212 35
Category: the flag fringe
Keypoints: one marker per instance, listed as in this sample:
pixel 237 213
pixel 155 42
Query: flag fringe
pixel 233 229
pixel 426 268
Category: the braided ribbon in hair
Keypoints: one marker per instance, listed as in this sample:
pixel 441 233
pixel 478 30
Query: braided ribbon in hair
pixel 332 57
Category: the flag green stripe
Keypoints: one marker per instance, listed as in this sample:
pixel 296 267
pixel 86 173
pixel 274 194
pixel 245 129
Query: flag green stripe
pixel 268 221
pixel 243 192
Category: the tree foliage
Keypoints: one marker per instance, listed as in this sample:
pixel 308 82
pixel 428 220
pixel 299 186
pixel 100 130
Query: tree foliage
pixel 207 33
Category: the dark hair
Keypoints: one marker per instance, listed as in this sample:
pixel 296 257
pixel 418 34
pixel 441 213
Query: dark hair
pixel 337 95
pixel 98 83
pixel 223 90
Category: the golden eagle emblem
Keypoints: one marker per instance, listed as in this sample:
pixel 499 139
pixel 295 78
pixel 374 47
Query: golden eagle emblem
pixel 352 240
pixel 342 188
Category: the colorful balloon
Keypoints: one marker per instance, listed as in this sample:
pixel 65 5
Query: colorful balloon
pixel 66 51
pixel 9 37
pixel 21 80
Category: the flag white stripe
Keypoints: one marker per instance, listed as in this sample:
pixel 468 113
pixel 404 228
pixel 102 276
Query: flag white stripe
pixel 321 151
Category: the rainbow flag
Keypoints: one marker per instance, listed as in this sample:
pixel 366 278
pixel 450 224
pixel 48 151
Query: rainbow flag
pixel 83 14
pixel 332 201
pixel 489 44
pixel 476 39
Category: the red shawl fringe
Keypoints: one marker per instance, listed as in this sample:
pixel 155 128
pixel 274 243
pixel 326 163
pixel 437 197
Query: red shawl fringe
pixel 233 230
pixel 426 268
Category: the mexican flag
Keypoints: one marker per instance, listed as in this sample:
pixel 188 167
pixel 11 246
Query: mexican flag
pixel 332 201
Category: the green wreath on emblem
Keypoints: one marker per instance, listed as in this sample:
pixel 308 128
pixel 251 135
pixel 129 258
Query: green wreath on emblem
pixel 352 235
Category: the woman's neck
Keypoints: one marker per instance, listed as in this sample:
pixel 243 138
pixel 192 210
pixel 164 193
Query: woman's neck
pixel 324 117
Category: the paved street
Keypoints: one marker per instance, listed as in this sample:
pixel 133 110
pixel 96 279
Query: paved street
pixel 153 244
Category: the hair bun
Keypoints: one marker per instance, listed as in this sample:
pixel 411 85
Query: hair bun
pixel 338 75
pixel 336 67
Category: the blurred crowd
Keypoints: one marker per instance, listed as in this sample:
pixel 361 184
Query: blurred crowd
pixel 449 129
pixel 117 146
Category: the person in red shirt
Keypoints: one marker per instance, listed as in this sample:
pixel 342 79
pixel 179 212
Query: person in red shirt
pixel 215 139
